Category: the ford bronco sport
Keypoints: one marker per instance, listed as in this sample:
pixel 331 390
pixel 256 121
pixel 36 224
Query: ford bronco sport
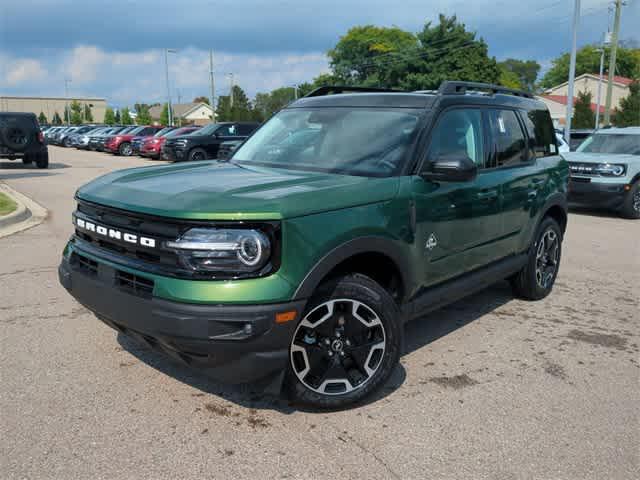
pixel 21 138
pixel 346 214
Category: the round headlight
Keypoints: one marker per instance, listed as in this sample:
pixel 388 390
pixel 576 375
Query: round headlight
pixel 250 250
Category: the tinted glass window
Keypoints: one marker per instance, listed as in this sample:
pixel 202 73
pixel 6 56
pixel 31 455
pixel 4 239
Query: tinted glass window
pixel 542 139
pixel 458 133
pixel 245 130
pixel 228 131
pixel 509 141
pixel 611 143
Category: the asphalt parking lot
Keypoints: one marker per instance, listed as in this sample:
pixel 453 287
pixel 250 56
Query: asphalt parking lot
pixel 489 387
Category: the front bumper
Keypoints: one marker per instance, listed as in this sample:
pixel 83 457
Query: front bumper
pixel 231 343
pixel 598 194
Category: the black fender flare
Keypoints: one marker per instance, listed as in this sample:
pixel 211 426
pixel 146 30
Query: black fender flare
pixel 556 200
pixel 368 244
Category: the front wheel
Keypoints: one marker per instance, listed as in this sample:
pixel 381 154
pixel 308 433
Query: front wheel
pixel 125 149
pixel 347 344
pixel 631 205
pixel 197 154
pixel 535 281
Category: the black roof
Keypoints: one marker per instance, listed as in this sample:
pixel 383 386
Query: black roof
pixel 449 93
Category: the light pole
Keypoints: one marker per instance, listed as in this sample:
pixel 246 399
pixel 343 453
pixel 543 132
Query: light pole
pixel 167 51
pixel 213 88
pixel 67 81
pixel 606 41
pixel 230 75
pixel 572 71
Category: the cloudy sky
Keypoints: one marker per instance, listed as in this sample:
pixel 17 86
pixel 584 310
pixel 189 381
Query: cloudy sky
pixel 114 48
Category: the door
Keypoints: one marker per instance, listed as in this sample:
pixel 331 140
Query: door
pixel 224 133
pixel 513 155
pixel 458 224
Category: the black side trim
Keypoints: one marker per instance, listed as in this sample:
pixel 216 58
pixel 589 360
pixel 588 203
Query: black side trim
pixel 387 247
pixel 445 293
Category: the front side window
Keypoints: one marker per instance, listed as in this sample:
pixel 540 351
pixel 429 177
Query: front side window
pixel 509 140
pixel 611 143
pixel 353 141
pixel 458 133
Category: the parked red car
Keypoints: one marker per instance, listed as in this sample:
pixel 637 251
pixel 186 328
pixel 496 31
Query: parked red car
pixel 121 144
pixel 152 147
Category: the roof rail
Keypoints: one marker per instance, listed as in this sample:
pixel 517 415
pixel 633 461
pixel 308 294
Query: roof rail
pixel 334 89
pixel 460 88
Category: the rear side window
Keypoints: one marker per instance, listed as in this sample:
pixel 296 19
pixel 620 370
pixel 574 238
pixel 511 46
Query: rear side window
pixel 542 138
pixel 508 139
pixel 246 130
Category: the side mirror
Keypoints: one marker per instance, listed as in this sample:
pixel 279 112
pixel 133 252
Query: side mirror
pixel 453 167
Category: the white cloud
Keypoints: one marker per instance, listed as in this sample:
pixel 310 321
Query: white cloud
pixel 23 71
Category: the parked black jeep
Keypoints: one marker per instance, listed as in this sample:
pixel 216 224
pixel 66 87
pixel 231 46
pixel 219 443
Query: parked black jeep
pixel 21 137
pixel 204 143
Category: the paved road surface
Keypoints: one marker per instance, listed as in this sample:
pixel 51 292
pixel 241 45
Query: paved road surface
pixel 489 387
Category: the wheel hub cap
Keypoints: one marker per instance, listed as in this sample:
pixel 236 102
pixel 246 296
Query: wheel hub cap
pixel 338 347
pixel 636 201
pixel 547 256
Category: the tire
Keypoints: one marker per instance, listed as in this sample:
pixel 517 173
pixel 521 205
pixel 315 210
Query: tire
pixel 66 142
pixel 331 341
pixel 27 160
pixel 15 135
pixel 42 160
pixel 535 281
pixel 125 149
pixel 631 205
pixel 197 154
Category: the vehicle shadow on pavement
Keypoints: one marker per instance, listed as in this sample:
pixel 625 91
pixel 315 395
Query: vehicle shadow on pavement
pixel 11 170
pixel 418 333
pixel 594 212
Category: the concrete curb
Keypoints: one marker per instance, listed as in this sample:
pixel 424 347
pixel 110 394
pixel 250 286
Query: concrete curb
pixel 27 215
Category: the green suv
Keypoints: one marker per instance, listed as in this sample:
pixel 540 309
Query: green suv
pixel 345 215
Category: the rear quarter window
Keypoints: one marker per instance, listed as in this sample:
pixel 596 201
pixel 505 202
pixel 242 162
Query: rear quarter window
pixel 542 138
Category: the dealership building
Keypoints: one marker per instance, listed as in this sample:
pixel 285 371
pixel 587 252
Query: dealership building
pixel 50 105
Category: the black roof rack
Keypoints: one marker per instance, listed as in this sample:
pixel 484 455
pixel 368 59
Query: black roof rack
pixel 335 89
pixel 460 88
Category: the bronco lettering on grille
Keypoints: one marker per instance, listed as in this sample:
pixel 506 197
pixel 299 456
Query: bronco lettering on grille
pixel 115 234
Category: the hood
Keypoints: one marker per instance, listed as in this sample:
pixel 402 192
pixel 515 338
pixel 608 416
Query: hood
pixel 600 157
pixel 225 191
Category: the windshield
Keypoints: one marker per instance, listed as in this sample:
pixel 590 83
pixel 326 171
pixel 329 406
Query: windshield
pixel 206 130
pixel 160 133
pixel 360 141
pixel 612 143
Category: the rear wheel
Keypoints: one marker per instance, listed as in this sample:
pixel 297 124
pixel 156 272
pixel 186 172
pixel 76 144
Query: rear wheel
pixel 631 205
pixel 197 154
pixel 535 281
pixel 347 344
pixel 125 149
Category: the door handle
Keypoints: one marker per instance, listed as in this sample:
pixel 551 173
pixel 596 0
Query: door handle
pixel 487 195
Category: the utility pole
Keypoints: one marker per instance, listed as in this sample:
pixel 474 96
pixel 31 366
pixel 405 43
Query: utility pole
pixel 167 51
pixel 612 62
pixel 606 41
pixel 572 71
pixel 231 91
pixel 66 100
pixel 212 93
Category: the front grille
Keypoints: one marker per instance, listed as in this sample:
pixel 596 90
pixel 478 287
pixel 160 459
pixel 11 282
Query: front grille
pixel 580 168
pixel 156 259
pixel 143 287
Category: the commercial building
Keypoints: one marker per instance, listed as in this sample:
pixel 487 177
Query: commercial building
pixel 50 105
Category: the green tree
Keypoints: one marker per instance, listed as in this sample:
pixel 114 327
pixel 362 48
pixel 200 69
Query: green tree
pixel 525 70
pixel 117 120
pixel 42 119
pixel 201 99
pixel 588 61
pixel 628 114
pixel 88 114
pixel 363 55
pixel 448 52
pixel 109 116
pixel 164 115
pixel 266 104
pixel 144 116
pixel 583 116
pixel 509 79
pixel 125 118
pixel 56 120
pixel 76 112
pixel 242 109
